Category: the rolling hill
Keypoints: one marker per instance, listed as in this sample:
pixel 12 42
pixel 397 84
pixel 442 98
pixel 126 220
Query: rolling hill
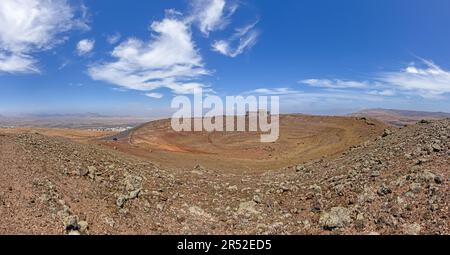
pixel 400 118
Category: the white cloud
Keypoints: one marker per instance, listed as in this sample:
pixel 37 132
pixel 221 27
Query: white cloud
pixel 273 91
pixel 292 97
pixel 173 13
pixel 155 95
pixel 114 38
pixel 385 92
pixel 337 95
pixel 336 83
pixel 211 15
pixel 30 26
pixel 170 59
pixel 428 81
pixel 244 38
pixel 17 63
pixel 85 46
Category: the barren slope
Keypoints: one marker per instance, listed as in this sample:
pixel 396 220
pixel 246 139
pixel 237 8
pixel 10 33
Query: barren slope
pixel 302 138
pixel 390 185
pixel 79 135
pixel 401 117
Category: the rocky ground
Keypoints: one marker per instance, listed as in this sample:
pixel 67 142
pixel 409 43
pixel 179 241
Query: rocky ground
pixel 395 184
pixel 302 138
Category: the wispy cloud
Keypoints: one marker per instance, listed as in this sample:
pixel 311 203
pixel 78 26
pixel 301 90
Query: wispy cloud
pixel 17 63
pixel 336 83
pixel 170 59
pixel 427 81
pixel 333 102
pixel 30 26
pixel 324 101
pixel 211 15
pixel 384 92
pixel 333 95
pixel 273 91
pixel 244 38
pixel 291 95
pixel 85 46
pixel 114 38
pixel 154 95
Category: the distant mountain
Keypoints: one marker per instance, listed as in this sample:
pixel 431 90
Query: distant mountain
pixel 400 117
pixel 3 117
pixel 71 115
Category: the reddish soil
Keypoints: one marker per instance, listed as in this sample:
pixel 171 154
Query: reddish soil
pixel 302 138
pixel 397 183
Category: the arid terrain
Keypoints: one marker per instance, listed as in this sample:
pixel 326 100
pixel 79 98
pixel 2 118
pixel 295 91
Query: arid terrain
pixel 400 118
pixel 79 135
pixel 72 121
pixel 302 138
pixel 326 175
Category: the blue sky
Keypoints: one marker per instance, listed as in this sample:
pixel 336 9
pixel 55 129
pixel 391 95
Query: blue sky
pixel 132 57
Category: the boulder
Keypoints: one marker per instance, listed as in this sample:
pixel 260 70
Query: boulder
pixel 412 229
pixel 92 170
pixel 300 168
pixel 337 217
pixel 387 132
pixel 121 200
pixel 384 190
pixel 248 207
pixel 84 226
